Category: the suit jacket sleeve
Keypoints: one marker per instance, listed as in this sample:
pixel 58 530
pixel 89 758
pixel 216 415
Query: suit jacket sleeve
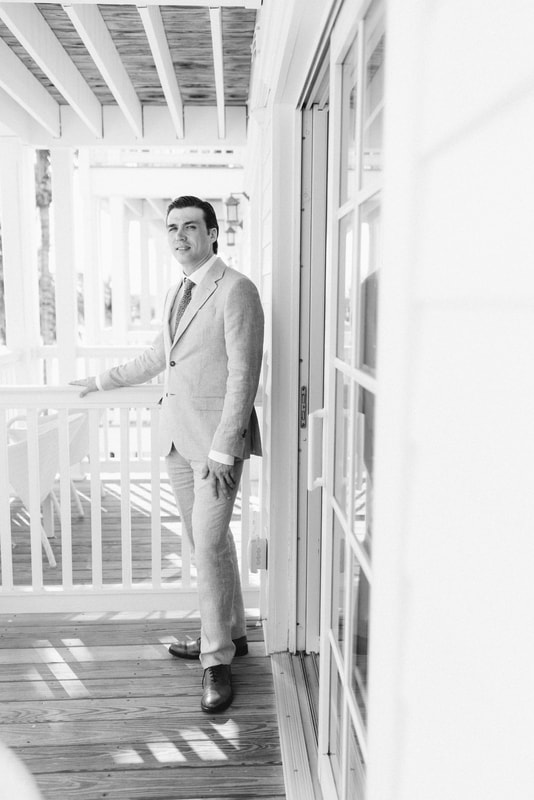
pixel 140 369
pixel 243 332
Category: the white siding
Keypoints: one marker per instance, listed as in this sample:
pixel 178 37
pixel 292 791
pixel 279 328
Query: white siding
pixel 451 682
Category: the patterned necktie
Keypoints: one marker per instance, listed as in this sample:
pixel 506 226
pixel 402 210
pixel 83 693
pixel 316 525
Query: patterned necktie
pixel 182 305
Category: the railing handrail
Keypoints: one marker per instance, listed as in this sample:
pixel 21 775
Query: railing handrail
pixel 8 357
pixel 36 396
pixel 99 350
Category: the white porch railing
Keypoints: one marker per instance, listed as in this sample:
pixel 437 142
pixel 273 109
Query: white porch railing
pixel 8 366
pixel 44 361
pixel 122 464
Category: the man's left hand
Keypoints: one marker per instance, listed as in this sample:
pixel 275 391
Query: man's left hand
pixel 221 477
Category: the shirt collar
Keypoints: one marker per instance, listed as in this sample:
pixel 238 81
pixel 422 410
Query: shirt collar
pixel 199 274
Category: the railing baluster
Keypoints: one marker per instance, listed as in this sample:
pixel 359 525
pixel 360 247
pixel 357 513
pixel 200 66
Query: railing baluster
pixel 34 505
pixel 65 499
pixel 96 498
pixel 105 433
pixel 139 430
pixel 126 521
pixel 245 523
pixel 5 516
pixel 156 498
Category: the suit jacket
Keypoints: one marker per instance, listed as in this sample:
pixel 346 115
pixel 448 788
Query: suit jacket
pixel 212 368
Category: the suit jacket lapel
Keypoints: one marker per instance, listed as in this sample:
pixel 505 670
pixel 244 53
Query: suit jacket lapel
pixel 200 295
pixel 167 311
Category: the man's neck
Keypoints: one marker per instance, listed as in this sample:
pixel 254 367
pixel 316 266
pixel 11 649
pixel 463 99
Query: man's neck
pixel 189 269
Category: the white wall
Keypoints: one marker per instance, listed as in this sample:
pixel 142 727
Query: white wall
pixel 451 696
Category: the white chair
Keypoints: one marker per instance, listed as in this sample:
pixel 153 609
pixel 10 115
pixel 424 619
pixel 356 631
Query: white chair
pixel 48 466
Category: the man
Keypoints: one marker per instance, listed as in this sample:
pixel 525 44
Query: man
pixel 210 348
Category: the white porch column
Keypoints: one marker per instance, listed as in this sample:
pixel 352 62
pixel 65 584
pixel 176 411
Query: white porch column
pixel 89 237
pixel 119 270
pixel 165 275
pixel 146 304
pixel 62 163
pixel 21 284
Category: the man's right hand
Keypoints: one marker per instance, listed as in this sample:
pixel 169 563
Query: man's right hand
pixel 89 385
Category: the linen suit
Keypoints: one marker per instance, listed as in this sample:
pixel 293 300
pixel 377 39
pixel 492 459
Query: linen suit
pixel 212 367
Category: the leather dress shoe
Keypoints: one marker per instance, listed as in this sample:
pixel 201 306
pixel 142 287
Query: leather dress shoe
pixel 217 685
pixel 186 649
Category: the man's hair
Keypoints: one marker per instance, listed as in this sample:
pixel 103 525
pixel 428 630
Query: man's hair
pixel 210 218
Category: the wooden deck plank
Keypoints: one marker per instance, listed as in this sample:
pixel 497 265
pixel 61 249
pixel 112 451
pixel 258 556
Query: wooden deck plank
pixel 243 728
pixel 127 709
pixel 194 751
pixel 166 784
pixel 48 688
pixel 74 655
pixel 165 632
pixel 113 670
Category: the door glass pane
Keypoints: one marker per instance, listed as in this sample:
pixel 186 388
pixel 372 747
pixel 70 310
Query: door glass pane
pixel 342 448
pixel 356 775
pixel 348 125
pixel 336 719
pixel 360 596
pixel 345 282
pixel 338 583
pixel 363 499
pixel 370 259
pixel 373 100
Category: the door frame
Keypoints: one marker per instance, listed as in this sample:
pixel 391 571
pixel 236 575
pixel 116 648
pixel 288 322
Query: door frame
pixel 311 366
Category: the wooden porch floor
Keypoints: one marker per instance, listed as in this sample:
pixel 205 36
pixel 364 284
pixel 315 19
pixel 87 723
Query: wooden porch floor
pixel 96 708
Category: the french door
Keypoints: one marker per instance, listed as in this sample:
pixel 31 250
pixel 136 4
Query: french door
pixel 350 388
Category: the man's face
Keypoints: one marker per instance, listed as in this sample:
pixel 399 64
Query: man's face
pixel 189 238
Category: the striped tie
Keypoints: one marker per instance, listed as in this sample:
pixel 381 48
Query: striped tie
pixel 184 302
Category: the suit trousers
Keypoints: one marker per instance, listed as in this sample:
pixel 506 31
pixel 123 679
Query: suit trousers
pixel 206 521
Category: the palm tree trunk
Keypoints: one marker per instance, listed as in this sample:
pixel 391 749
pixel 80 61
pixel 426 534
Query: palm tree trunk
pixel 47 294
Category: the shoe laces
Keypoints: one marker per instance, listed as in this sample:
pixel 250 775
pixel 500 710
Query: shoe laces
pixel 214 673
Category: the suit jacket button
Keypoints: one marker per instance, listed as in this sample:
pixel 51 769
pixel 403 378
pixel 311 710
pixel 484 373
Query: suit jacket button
pixel 173 363
pixel 244 433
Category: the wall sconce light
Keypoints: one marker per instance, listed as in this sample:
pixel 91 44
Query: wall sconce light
pixel 232 209
pixel 230 236
pixel 232 205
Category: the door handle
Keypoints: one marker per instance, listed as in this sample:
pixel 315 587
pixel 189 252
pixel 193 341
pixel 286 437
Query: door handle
pixel 314 483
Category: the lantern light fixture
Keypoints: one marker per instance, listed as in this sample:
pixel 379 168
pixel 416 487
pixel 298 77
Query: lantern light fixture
pixel 232 209
pixel 230 236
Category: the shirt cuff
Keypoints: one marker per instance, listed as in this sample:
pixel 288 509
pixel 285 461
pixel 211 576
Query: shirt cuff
pixel 222 458
pixel 98 383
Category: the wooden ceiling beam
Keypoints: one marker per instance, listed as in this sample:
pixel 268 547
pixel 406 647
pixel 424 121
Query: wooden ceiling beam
pixel 152 182
pixel 134 206
pixel 155 31
pixel 218 64
pixel 26 90
pixel 200 124
pixel 250 4
pixel 29 26
pixel 95 35
pixel 159 207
